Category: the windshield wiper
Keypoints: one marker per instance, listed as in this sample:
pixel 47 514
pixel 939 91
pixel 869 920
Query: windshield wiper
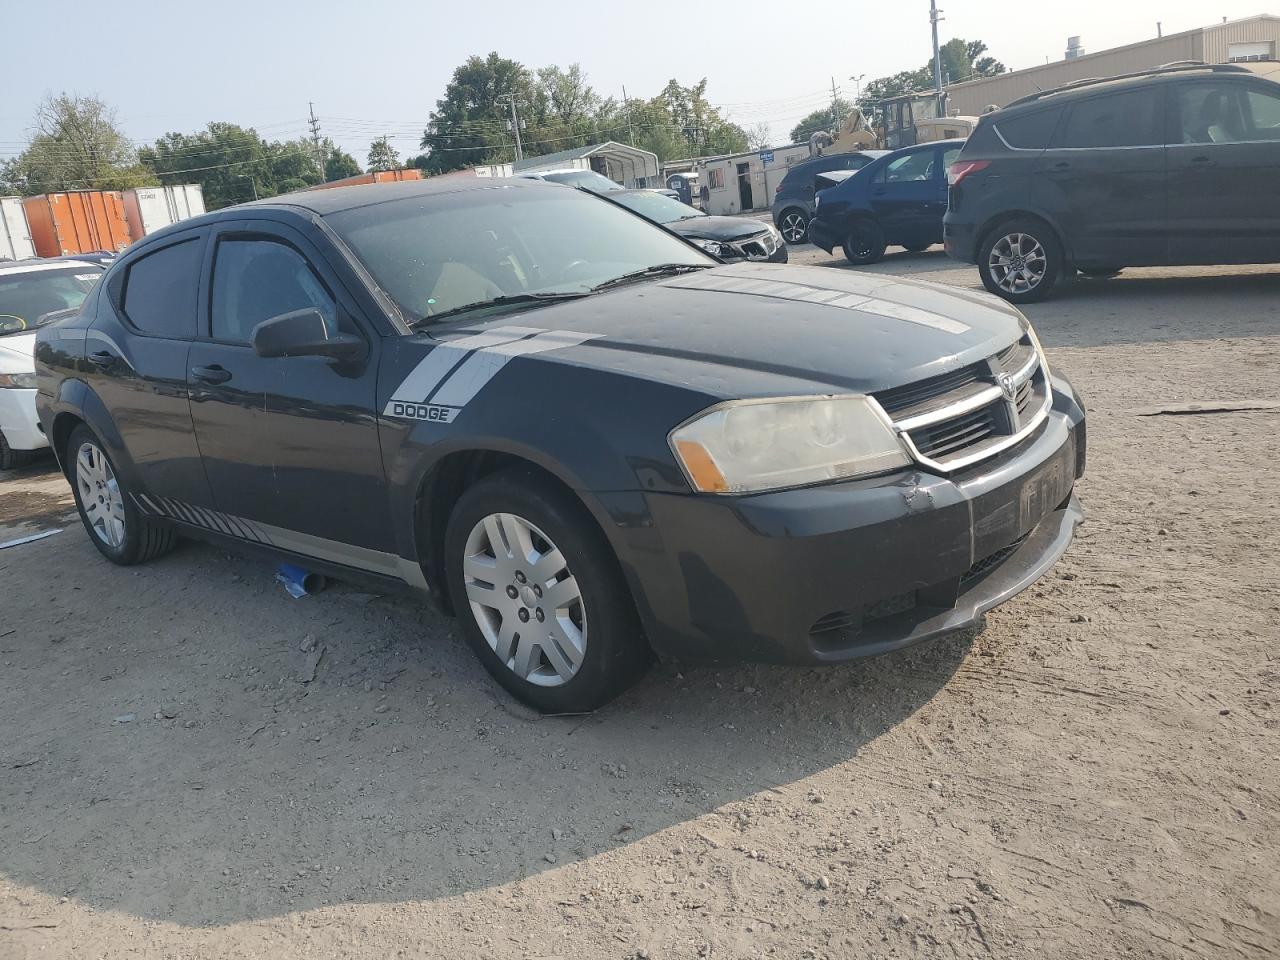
pixel 501 302
pixel 659 270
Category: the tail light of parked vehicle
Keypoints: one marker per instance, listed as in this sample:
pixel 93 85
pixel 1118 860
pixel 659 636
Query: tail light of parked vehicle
pixel 962 168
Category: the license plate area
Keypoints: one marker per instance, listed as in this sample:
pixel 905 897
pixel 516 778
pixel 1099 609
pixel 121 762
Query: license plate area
pixel 1004 515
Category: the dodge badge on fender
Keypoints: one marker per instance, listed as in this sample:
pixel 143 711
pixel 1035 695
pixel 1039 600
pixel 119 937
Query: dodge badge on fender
pixel 587 439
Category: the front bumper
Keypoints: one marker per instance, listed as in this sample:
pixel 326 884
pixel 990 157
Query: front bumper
pixel 18 420
pixel 834 572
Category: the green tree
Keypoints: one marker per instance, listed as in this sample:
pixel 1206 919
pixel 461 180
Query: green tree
pixel 231 163
pixel 824 118
pixel 337 162
pixel 77 145
pixel 382 156
pixel 469 123
pixel 961 60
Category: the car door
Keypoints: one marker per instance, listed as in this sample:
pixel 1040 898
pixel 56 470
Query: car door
pixel 1104 178
pixel 1224 151
pixel 136 364
pixel 288 442
pixel 902 194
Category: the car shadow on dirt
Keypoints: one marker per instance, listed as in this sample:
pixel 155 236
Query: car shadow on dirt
pixel 186 743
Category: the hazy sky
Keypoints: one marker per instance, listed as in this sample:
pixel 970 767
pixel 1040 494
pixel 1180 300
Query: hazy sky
pixel 378 65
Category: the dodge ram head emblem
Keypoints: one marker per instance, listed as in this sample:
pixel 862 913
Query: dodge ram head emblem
pixel 1007 386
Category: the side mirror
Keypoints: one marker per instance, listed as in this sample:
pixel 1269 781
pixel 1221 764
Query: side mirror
pixel 303 333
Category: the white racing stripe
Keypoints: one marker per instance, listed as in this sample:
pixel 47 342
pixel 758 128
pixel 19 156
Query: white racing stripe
pixel 451 375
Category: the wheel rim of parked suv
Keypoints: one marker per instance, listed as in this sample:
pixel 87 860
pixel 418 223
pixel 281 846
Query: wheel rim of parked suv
pixel 100 495
pixel 525 600
pixel 1017 262
pixel 794 227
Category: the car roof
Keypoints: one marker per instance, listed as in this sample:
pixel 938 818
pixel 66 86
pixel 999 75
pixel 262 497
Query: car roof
pixel 1156 75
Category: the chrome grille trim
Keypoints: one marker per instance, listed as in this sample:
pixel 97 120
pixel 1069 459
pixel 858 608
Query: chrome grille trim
pixel 971 439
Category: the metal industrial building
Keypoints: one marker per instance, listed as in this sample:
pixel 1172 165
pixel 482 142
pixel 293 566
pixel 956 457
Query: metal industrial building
pixel 1254 40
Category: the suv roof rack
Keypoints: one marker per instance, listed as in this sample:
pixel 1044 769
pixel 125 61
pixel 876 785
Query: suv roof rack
pixel 1179 66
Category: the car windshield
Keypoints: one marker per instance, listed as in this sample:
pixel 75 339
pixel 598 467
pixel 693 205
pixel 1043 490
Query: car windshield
pixel 657 206
pixel 442 253
pixel 27 296
pixel 587 179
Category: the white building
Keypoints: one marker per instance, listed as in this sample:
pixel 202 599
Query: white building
pixel 630 166
pixel 747 181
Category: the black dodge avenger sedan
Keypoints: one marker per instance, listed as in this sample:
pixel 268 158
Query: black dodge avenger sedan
pixel 590 441
pixel 729 238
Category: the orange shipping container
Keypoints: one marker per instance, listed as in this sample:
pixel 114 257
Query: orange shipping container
pixel 81 221
pixel 381 176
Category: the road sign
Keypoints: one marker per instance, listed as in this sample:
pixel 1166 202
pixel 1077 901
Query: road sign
pixel 766 156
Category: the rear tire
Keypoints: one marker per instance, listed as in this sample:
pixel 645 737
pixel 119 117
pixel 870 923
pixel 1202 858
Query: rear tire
pixel 540 594
pixel 1020 260
pixel 120 531
pixel 794 226
pixel 11 459
pixel 865 243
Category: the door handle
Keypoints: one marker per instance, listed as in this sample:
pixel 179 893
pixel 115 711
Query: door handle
pixel 103 358
pixel 211 374
pixel 1203 162
pixel 1062 165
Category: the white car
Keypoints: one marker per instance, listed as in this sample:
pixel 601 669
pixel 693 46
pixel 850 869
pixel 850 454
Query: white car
pixel 32 293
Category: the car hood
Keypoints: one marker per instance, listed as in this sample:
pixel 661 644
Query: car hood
pixel 754 329
pixel 718 228
pixel 17 353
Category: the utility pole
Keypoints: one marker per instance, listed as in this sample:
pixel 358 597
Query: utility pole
pixel 937 55
pixel 514 124
pixel 315 138
pixel 835 109
pixel 631 131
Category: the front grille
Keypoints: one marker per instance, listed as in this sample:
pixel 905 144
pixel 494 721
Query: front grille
pixel 958 418
pixel 842 627
pixel 760 247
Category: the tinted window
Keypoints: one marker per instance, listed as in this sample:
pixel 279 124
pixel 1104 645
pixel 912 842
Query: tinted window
pixel 255 280
pixel 1264 112
pixel 160 291
pixel 27 296
pixel 1031 131
pixel 1207 113
pixel 656 206
pixel 1129 119
pixel 949 156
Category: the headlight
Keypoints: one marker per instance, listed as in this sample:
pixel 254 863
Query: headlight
pixel 712 247
pixel 751 445
pixel 20 381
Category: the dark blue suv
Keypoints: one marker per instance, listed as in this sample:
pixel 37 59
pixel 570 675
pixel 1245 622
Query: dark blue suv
pixel 896 200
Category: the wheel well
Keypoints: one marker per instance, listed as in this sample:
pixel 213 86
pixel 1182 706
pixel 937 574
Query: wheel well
pixel 1007 215
pixel 63 425
pixel 442 488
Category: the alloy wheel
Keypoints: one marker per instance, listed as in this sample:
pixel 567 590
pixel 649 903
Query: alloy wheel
pixel 100 495
pixel 794 227
pixel 525 599
pixel 1017 263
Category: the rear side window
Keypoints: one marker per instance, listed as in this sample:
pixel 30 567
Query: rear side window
pixel 1030 131
pixel 160 291
pixel 1264 114
pixel 1128 119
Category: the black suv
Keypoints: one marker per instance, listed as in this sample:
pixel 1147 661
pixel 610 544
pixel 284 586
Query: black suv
pixel 1171 166
pixel 793 200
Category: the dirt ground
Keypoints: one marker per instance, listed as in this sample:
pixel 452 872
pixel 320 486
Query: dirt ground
pixel 1094 775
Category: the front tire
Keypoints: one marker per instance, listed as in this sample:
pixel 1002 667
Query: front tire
pixel 541 597
pixel 115 526
pixel 865 243
pixel 10 458
pixel 794 226
pixel 1020 260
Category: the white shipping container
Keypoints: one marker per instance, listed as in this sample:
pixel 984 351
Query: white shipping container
pixel 149 208
pixel 15 235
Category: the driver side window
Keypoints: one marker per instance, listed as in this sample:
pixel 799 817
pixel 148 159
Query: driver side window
pixel 257 279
